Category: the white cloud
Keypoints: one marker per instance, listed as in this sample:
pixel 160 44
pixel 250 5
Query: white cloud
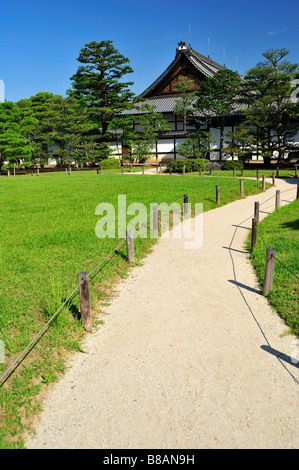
pixel 273 33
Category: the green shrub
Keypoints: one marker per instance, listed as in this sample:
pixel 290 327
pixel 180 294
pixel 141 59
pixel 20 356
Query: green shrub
pixel 110 163
pixel 231 164
pixel 191 164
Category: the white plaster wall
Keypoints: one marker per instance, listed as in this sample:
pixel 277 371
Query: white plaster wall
pixel 116 149
pixel 165 145
pixel 214 155
pixel 216 136
pixel 179 142
pixel 227 130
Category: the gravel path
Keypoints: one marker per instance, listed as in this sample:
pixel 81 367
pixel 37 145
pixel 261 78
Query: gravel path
pixel 190 356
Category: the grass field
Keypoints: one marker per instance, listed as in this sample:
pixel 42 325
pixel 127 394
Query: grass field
pixel 47 236
pixel 280 230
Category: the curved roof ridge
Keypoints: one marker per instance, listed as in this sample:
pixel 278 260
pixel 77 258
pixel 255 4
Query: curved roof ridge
pixel 160 78
pixel 203 64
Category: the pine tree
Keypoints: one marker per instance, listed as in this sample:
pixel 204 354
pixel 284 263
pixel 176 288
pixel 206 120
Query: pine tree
pixel 184 104
pixel 217 98
pixel 15 148
pixel 270 113
pixel 98 83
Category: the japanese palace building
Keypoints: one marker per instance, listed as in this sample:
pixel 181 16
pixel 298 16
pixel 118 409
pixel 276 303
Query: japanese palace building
pixel 161 94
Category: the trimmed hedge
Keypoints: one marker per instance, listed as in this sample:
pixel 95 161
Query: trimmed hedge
pixel 110 163
pixel 231 164
pixel 191 164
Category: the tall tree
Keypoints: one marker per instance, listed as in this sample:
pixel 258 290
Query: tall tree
pixel 44 107
pixel 217 99
pixel 197 144
pixel 150 124
pixel 98 82
pixel 184 104
pixel 271 114
pixel 15 148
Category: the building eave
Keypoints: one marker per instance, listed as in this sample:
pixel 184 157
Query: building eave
pixel 205 66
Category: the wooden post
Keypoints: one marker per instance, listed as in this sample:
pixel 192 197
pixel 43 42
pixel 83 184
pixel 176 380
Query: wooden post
pixel 253 234
pixel 8 172
pixel 66 171
pixel 234 172
pixel 130 246
pixel 155 219
pixel 242 169
pixel 241 188
pixel 70 170
pixel 296 171
pixel 160 169
pixel 257 211
pixel 273 178
pixel 200 171
pixel 264 183
pixel 277 199
pixel 277 171
pixel 37 171
pixel 257 174
pixel 143 170
pixel 185 209
pixel 184 169
pixel 217 195
pixel 14 169
pixel 269 270
pixel 85 300
pixel 97 171
pixel 122 170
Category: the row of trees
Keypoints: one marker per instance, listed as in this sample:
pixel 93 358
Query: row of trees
pixel 82 125
pixel 79 127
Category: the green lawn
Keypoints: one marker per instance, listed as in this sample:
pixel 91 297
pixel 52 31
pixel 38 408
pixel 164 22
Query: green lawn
pixel 47 236
pixel 280 231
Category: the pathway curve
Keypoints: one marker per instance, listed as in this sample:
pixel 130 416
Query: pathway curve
pixel 190 356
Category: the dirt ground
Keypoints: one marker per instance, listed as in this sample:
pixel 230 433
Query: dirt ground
pixel 191 355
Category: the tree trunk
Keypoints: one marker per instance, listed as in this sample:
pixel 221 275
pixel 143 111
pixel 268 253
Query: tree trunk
pixel 185 122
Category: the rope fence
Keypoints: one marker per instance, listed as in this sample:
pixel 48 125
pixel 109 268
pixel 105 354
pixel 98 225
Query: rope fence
pixel 83 277
pixel 99 169
pixel 270 252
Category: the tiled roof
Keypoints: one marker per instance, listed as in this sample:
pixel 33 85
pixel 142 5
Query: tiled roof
pixel 163 103
pixel 166 104
pixel 203 64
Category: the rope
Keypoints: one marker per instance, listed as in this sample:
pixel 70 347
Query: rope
pixel 285 267
pixel 106 257
pixel 262 239
pixel 5 375
pixel 30 345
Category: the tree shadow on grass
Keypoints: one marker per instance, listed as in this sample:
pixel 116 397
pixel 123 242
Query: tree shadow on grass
pixel 294 225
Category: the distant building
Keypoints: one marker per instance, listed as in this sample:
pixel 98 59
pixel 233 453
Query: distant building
pixel 161 93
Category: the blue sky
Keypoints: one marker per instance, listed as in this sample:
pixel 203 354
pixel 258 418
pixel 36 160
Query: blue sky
pixel 40 40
